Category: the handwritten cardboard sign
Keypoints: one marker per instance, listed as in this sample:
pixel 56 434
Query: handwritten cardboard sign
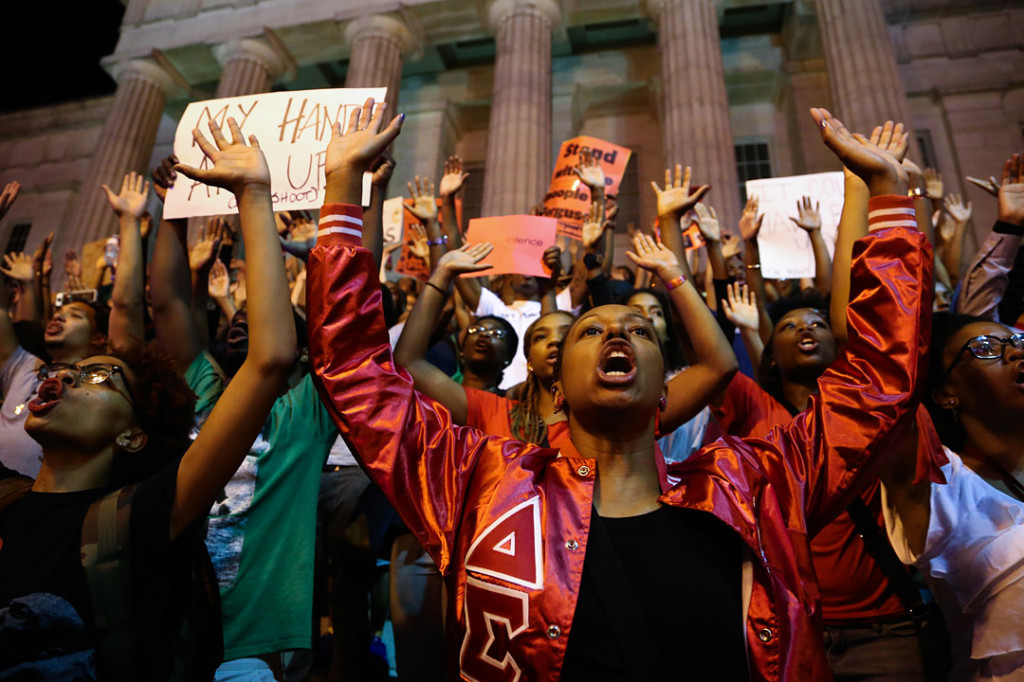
pixel 785 248
pixel 568 199
pixel 519 243
pixel 293 129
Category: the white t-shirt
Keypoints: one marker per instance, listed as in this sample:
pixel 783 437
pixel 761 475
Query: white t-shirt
pixel 973 562
pixel 520 314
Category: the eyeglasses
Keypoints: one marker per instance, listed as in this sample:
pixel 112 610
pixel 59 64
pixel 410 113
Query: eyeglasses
pixel 986 347
pixel 94 374
pixel 493 332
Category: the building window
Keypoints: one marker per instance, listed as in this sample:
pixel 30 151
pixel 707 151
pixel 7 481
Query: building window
pixel 924 143
pixel 19 235
pixel 752 163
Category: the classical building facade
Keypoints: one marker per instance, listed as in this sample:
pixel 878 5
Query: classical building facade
pixel 722 85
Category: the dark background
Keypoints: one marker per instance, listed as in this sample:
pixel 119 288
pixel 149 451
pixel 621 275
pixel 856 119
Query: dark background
pixel 50 50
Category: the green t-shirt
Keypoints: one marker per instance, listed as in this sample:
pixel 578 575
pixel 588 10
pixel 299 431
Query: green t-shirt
pixel 261 535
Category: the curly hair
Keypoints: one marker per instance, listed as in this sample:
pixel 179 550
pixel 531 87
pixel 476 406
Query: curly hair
pixel 768 374
pixel 164 408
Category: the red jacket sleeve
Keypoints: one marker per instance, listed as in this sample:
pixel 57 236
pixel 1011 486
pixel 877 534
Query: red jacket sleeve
pixel 406 441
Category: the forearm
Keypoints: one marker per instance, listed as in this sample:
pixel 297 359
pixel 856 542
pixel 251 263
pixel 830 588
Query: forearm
pixel 27 307
pixel 983 285
pixel 853 224
pixel 271 340
pixel 822 263
pixel 716 259
pixel 126 315
pixel 672 238
pixel 450 223
pixel 414 342
pixel 710 345
pixel 226 305
pixel 373 221
pixel 755 281
pixel 953 253
pixel 752 342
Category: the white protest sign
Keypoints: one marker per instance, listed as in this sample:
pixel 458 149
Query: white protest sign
pixel 785 248
pixel 394 220
pixel 293 129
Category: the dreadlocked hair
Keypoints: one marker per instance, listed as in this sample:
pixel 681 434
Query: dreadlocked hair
pixel 165 410
pixel 527 423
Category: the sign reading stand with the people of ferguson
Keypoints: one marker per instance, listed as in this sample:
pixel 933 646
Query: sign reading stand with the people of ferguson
pixel 786 251
pixel 568 199
pixel 293 129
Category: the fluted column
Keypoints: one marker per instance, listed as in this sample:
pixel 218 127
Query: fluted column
pixel 379 44
pixel 696 127
pixel 518 162
pixel 124 145
pixel 861 62
pixel 250 67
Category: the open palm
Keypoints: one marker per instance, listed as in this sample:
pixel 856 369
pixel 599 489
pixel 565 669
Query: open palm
pixel 235 164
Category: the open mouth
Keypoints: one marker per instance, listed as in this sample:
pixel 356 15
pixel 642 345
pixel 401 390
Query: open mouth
pixel 807 343
pixel 482 345
pixel 1019 378
pixel 237 336
pixel 53 328
pixel 617 364
pixel 552 358
pixel 47 396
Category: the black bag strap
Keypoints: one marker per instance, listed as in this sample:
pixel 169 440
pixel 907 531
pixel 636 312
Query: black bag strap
pixel 13 488
pixel 629 624
pixel 878 546
pixel 106 560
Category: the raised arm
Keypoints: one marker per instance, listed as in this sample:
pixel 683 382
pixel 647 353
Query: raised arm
pixel 381 170
pixel 126 314
pixel 950 232
pixel 673 203
pixel 691 391
pixel 234 423
pixel 740 306
pixel 984 283
pixel 808 219
pixel 451 183
pixel 411 350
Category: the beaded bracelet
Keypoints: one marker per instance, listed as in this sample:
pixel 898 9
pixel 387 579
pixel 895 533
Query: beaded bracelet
pixel 440 241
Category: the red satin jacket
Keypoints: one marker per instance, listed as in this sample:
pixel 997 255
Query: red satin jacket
pixel 508 522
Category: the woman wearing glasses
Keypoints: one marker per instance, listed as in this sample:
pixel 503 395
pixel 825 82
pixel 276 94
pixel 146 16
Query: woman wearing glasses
pixel 116 427
pixel 967 537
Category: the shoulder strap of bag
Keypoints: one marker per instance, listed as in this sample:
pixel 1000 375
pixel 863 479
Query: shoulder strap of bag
pixel 12 489
pixel 629 624
pixel 106 559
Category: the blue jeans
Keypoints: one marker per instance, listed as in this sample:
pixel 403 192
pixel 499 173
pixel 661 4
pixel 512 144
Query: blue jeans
pixel 874 652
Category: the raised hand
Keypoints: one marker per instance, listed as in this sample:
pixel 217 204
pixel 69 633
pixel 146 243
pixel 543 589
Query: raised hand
pixel 18 266
pixel 878 165
pixel 750 221
pixel 236 165
pixel 740 307
pixel 205 250
pixel 465 259
pixel 72 265
pixel 707 222
pixel 381 169
pixel 418 246
pixel 808 217
pixel 424 206
pixel 42 257
pixel 219 283
pixel 453 178
pixel 731 245
pixel 352 150
pixel 594 225
pixel 676 199
pixel 956 208
pixel 8 196
pixel 552 261
pixel 132 198
pixel 1011 191
pixel 933 186
pixel 164 176
pixel 654 257
pixel 589 171
pixel 991 185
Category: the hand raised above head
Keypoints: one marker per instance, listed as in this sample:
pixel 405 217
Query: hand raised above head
pixel 1011 191
pixel 164 176
pixel 589 171
pixel 454 177
pixel 707 222
pixel 236 165
pixel 133 196
pixel 808 216
pixel 8 196
pixel 654 257
pixel 465 259
pixel 877 164
pixel 750 221
pixel 424 206
pixel 676 199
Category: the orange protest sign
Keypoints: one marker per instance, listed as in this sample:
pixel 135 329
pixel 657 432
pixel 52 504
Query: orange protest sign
pixel 409 263
pixel 692 238
pixel 568 199
pixel 519 243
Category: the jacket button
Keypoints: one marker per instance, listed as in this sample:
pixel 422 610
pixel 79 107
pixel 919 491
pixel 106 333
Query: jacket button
pixel 765 635
pixel 572 544
pixel 554 632
pixel 584 470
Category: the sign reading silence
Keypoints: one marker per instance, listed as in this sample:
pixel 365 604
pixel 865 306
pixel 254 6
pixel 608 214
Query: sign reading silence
pixel 293 129
pixel 568 199
pixel 519 243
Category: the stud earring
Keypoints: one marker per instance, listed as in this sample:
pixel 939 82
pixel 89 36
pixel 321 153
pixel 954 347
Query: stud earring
pixel 662 403
pixel 559 403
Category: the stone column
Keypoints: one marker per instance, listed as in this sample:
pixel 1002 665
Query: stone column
pixel 250 67
pixel 697 130
pixel 861 62
pixel 379 44
pixel 518 162
pixel 125 144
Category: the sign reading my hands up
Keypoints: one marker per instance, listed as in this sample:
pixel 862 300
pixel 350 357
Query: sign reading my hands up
pixel 568 199
pixel 785 248
pixel 293 129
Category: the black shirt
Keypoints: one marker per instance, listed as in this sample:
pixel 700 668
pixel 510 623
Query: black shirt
pixel 683 569
pixel 47 628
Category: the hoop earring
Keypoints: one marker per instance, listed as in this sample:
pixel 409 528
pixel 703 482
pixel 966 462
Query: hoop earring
pixel 559 404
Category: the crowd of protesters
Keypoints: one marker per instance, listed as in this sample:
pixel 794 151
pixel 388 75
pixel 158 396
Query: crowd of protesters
pixel 237 459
